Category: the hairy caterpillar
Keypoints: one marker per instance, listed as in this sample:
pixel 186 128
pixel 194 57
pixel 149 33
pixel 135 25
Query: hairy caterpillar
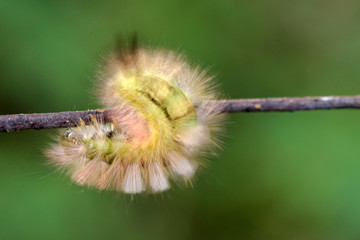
pixel 161 124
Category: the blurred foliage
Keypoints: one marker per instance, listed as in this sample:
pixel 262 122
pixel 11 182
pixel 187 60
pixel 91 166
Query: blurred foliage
pixel 280 175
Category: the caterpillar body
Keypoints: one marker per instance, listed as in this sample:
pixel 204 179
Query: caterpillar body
pixel 161 124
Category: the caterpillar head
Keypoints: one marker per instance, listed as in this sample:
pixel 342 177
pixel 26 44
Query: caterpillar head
pixel 161 123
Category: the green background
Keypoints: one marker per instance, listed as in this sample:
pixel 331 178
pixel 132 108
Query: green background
pixel 279 176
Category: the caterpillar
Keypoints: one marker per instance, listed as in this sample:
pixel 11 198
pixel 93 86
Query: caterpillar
pixel 161 125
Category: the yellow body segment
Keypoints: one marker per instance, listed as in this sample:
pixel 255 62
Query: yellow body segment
pixel 164 107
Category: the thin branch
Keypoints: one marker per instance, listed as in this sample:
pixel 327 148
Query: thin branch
pixel 18 122
pixel 290 104
pixel 38 121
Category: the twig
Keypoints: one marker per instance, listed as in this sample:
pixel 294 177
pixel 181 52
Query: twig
pixel 18 122
pixel 290 104
pixel 38 121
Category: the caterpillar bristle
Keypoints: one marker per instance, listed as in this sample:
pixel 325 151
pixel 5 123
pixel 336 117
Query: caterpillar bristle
pixel 158 180
pixel 160 124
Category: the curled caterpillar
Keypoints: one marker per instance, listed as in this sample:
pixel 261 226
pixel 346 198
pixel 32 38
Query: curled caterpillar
pixel 161 125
